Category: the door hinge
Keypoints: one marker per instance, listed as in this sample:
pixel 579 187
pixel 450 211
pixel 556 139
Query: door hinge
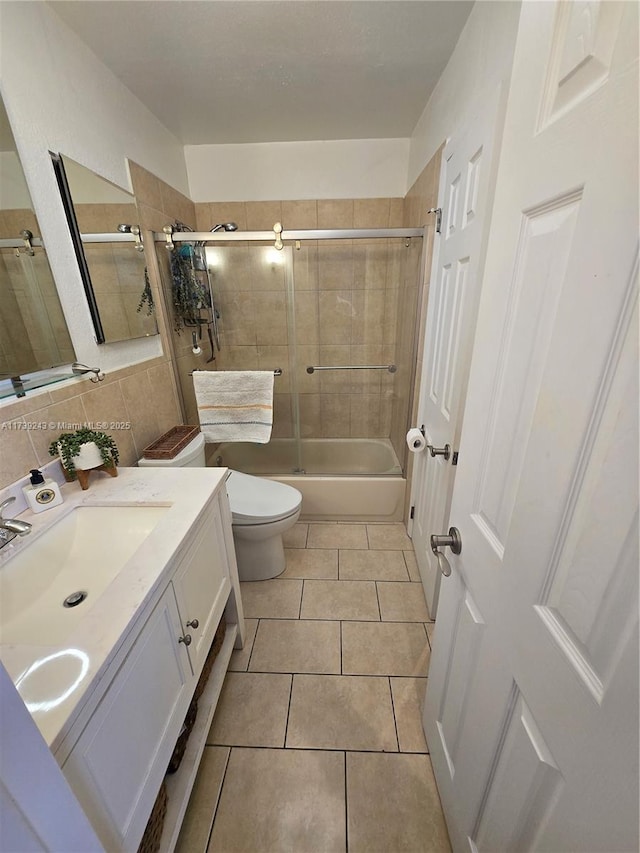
pixel 438 213
pixel 411 514
pixel 454 458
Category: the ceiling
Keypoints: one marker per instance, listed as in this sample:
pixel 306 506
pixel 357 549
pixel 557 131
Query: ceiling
pixel 234 71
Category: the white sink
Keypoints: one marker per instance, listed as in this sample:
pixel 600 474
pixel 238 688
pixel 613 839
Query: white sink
pixel 82 553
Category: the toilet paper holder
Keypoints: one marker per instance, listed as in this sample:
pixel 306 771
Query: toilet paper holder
pixel 437 451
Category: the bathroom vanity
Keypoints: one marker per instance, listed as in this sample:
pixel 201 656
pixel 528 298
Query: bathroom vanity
pixel 109 689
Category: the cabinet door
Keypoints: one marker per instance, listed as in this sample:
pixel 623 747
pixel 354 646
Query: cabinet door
pixel 120 759
pixel 202 586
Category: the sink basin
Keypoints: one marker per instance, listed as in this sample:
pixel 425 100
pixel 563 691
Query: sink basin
pixel 74 561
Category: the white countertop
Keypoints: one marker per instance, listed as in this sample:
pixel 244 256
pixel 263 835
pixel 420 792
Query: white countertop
pixel 56 680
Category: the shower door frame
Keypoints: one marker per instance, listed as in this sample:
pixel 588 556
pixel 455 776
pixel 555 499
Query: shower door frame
pixel 283 240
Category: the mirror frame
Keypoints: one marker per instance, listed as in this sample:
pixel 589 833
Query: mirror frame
pixel 76 239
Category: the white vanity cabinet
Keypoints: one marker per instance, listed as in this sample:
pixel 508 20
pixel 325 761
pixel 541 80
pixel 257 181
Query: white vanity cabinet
pixel 202 586
pixel 121 748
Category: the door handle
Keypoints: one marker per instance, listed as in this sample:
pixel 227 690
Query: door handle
pixel 440 451
pixel 451 540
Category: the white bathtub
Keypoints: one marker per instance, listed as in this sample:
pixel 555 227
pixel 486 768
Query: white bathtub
pixel 357 479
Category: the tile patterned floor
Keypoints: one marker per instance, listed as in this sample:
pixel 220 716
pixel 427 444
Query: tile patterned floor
pixel 317 742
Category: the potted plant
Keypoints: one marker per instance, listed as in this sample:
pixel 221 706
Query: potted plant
pixel 84 449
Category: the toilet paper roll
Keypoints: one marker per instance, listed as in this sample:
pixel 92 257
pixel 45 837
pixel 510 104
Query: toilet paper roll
pixel 416 442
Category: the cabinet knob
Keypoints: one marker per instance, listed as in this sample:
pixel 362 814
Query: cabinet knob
pixel 193 623
pixel 186 639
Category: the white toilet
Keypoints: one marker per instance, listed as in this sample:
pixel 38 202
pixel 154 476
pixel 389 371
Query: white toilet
pixel 262 510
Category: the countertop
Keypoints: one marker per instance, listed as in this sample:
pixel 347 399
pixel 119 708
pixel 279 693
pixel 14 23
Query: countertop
pixel 55 681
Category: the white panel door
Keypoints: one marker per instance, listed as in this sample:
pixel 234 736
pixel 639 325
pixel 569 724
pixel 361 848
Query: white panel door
pixel 466 178
pixel 531 711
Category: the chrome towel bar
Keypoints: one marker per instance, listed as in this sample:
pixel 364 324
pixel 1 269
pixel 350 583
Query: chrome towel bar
pixel 276 372
pixel 390 367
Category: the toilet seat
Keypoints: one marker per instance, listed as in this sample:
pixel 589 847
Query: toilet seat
pixel 254 500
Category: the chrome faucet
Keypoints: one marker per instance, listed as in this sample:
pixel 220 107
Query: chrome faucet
pixel 11 527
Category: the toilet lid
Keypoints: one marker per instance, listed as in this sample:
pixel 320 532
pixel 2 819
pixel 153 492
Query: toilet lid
pixel 255 500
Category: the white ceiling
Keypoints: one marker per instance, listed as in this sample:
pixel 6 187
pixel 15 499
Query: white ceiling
pixel 233 71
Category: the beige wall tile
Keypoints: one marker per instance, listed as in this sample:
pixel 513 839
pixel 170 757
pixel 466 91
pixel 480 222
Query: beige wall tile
pixel 298 215
pixel 146 186
pixel 307 318
pixel 309 414
pixel 139 398
pixel 336 312
pixel 371 212
pixel 335 213
pixel 227 211
pixel 18 455
pixel 335 416
pixel 61 417
pixel 106 404
pixel 262 215
pixel 271 317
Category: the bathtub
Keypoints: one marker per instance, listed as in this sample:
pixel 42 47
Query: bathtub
pixel 345 479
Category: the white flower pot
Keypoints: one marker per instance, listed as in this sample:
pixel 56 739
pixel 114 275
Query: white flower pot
pixel 89 457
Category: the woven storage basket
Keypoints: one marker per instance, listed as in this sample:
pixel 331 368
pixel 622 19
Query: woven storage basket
pixel 153 833
pixel 214 651
pixel 183 737
pixel 171 442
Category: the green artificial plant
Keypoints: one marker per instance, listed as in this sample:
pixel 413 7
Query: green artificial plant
pixel 68 445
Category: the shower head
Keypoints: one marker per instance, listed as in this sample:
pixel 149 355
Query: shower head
pixel 224 226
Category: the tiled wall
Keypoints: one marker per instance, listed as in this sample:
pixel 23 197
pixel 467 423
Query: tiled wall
pixel 142 394
pixel 345 299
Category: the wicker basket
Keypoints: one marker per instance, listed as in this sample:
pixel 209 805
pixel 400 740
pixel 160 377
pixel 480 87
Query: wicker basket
pixel 171 442
pixel 214 651
pixel 183 737
pixel 153 833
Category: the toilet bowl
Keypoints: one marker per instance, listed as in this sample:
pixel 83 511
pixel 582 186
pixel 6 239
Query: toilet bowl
pixel 261 511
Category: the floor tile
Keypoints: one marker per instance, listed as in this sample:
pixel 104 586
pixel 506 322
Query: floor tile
pixel 330 535
pixel 297 645
pixel 194 835
pixel 393 805
pixel 412 566
pixel 389 537
pixel 372 566
pixel 240 657
pixel 341 712
pixel 408 702
pixel 272 599
pixel 311 563
pixel 340 600
pixel 402 602
pixel 281 801
pixel 252 710
pixel 384 648
pixel 296 536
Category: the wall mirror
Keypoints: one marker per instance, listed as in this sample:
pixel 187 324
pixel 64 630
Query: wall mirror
pixel 33 332
pixel 103 221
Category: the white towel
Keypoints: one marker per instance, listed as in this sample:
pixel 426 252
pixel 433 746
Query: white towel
pixel 234 405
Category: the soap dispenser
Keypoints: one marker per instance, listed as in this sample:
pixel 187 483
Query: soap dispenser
pixel 41 494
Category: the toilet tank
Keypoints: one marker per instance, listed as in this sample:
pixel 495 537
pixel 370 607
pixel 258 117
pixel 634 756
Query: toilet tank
pixel 192 456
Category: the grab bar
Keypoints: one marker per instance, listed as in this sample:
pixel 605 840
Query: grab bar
pixel 390 367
